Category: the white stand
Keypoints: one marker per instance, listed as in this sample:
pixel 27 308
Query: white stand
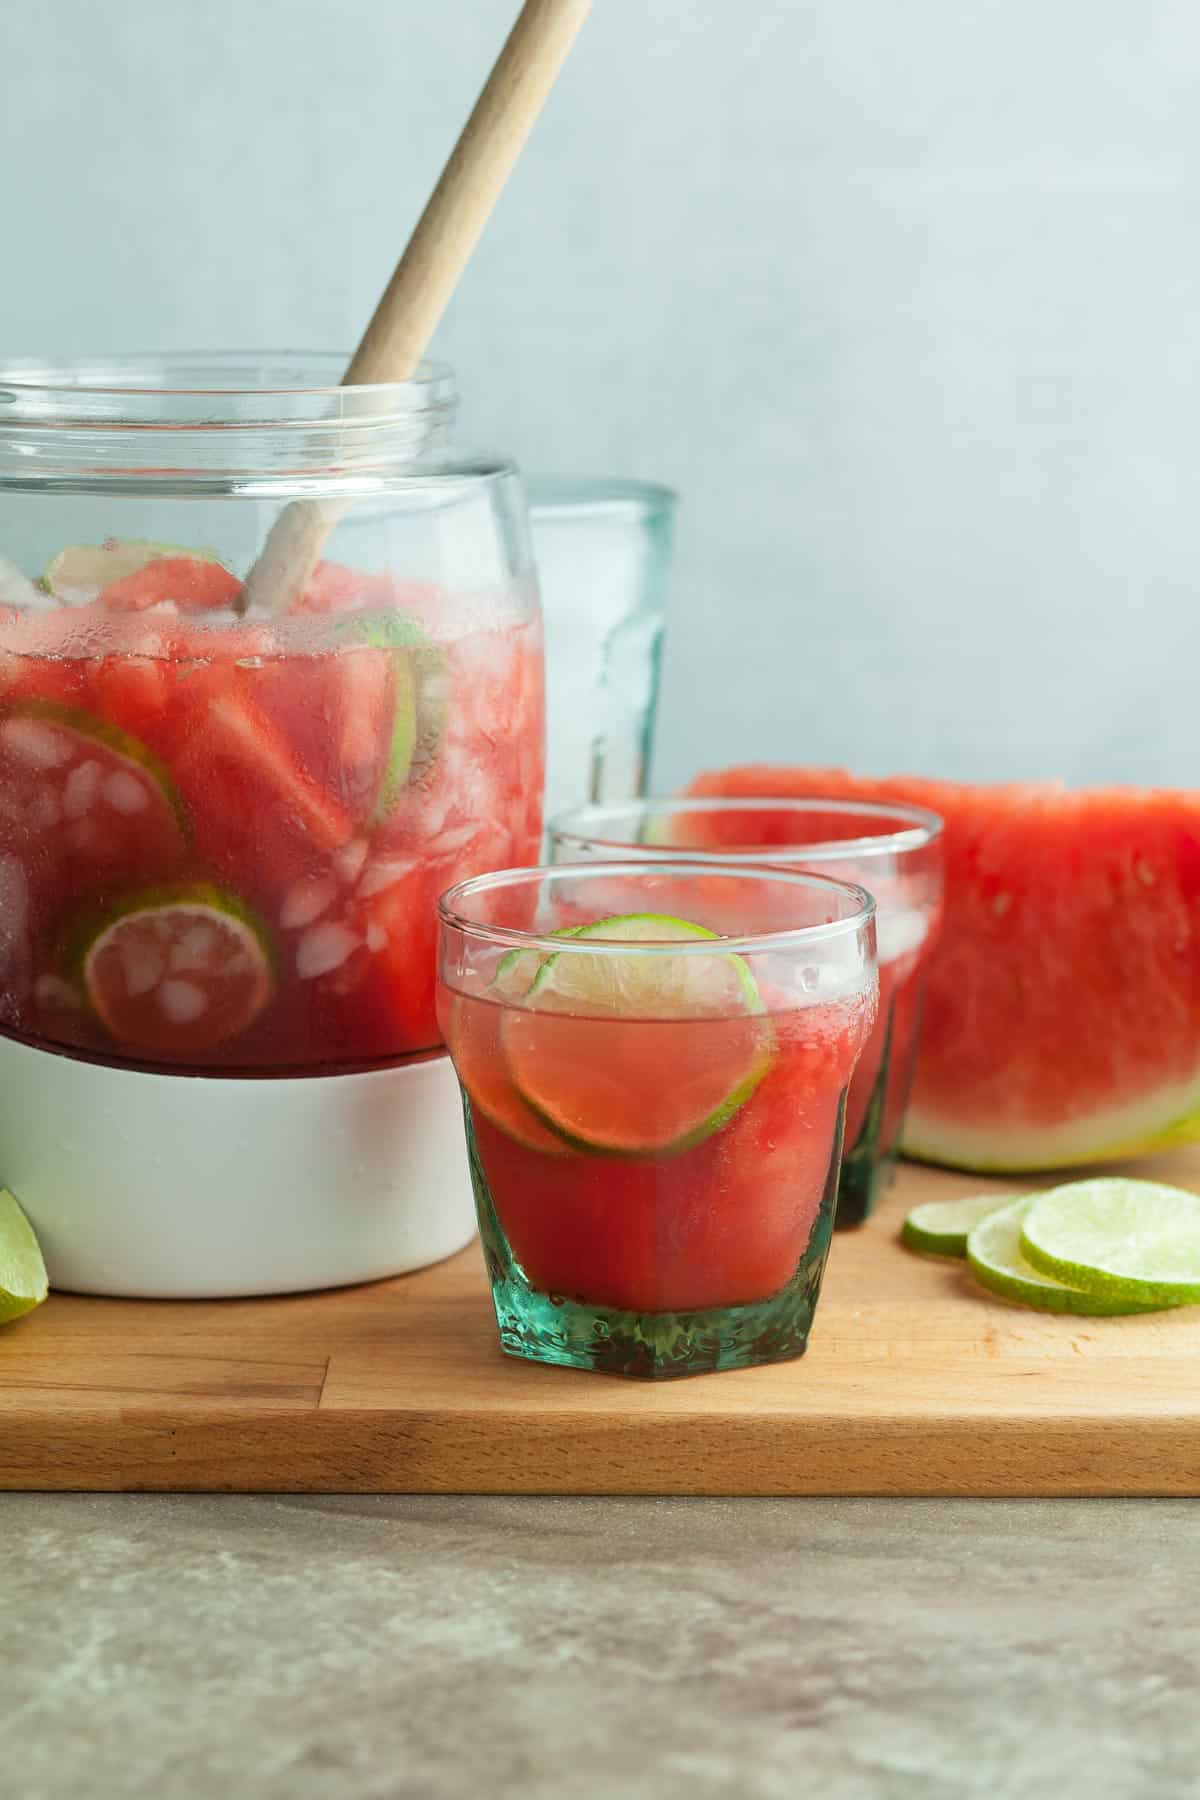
pixel 191 1187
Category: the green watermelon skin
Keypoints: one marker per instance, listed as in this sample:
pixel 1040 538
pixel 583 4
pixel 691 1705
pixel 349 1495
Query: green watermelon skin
pixel 1062 1000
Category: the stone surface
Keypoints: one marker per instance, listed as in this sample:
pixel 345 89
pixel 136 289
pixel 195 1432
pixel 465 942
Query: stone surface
pixel 367 1648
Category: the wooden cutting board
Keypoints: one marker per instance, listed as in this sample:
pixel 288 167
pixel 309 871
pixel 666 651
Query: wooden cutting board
pixel 915 1384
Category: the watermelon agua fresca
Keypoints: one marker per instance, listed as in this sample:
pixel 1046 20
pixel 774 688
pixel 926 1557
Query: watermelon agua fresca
pixel 1062 1000
pixel 222 837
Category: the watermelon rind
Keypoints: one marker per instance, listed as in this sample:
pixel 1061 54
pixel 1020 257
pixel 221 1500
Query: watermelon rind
pixel 1155 1122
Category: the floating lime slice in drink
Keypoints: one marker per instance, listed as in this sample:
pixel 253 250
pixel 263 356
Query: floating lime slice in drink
pixel 652 987
pixel 994 1251
pixel 419 673
pixel 173 971
pixel 23 1282
pixel 941 1227
pixel 638 1055
pixel 98 771
pixel 1123 1241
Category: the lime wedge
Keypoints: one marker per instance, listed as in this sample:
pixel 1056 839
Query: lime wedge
pixel 23 1282
pixel 994 1253
pixel 597 1053
pixel 1121 1240
pixel 941 1227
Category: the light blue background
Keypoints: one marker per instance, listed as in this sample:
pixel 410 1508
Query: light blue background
pixel 904 295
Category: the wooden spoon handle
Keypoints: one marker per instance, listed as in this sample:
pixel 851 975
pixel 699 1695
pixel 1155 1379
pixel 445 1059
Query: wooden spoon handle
pixel 469 186
pixel 436 255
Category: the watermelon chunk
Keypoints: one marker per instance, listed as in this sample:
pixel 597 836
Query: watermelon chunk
pixel 196 584
pixel 1062 1001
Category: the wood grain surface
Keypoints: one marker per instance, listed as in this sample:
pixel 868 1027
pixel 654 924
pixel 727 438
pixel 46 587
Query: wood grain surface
pixel 915 1383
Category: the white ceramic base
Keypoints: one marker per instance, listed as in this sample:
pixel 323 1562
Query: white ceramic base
pixel 191 1187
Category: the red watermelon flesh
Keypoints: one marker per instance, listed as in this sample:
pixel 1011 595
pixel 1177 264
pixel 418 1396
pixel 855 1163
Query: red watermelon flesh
pixel 1062 1000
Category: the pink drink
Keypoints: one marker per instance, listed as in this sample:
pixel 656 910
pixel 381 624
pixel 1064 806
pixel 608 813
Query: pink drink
pixel 894 852
pixel 654 1060
pixel 222 840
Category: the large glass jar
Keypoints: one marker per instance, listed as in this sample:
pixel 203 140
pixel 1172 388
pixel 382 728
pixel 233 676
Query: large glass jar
pixel 233 786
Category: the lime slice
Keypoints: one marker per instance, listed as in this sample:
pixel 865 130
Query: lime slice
pixel 23 1282
pixel 174 971
pixel 479 1059
pixel 654 987
pixel 1121 1240
pixel 598 1054
pixel 473 1034
pixel 941 1227
pixel 516 972
pixel 994 1253
pixel 78 573
pixel 57 739
pixel 419 669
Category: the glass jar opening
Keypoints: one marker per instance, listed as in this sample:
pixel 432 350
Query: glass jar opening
pixel 164 414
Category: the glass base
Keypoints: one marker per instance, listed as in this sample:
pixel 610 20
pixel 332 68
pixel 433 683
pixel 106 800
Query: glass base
pixel 547 1328
pixel 866 1174
pixel 867 1167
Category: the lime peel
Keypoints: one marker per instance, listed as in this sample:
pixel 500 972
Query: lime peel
pixel 419 721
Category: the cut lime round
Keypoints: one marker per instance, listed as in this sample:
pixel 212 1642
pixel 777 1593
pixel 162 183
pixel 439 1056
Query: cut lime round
pixel 78 574
pixel 638 1055
pixel 1123 1240
pixel 473 1034
pixel 941 1227
pixel 994 1253
pixel 649 986
pixel 516 972
pixel 23 1282
pixel 98 772
pixel 174 971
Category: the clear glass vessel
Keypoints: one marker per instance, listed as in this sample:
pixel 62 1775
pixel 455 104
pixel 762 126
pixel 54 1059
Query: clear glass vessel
pixel 270 680
pixel 895 852
pixel 603 549
pixel 654 1060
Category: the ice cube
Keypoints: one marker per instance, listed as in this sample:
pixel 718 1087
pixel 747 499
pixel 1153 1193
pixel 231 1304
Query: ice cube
pixel 142 965
pixel 182 1002
pixel 124 792
pixel 80 789
pixel 324 948
pixel 35 742
pixel 306 900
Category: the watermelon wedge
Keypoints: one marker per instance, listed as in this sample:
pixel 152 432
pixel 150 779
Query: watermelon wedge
pixel 1062 1000
pixel 192 583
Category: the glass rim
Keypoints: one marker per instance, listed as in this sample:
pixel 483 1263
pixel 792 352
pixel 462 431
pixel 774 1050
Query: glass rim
pixel 567 495
pixel 126 390
pixel 917 827
pixel 748 944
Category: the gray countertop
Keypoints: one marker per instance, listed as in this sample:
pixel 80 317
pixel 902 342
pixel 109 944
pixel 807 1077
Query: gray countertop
pixel 569 1649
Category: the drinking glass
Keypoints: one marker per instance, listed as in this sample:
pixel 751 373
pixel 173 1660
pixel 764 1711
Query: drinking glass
pixel 603 551
pixel 654 1060
pixel 895 852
